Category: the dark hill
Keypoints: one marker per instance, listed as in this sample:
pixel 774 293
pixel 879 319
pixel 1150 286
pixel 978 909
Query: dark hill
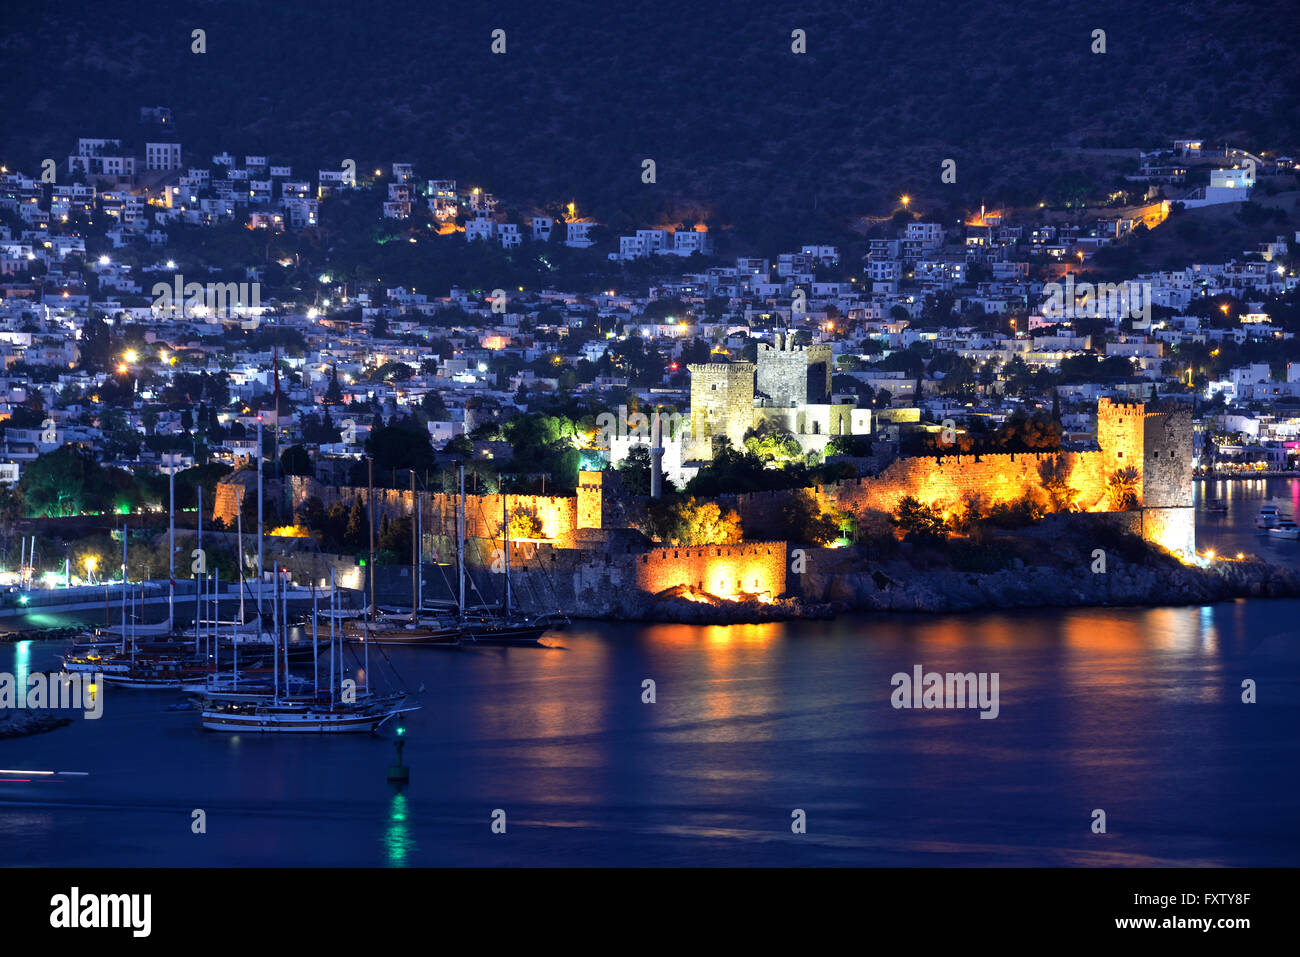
pixel 743 130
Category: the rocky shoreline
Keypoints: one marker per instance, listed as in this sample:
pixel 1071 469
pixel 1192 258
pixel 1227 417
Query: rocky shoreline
pixel 19 722
pixel 897 587
pixel 902 589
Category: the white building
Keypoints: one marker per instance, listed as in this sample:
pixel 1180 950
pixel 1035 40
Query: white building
pixel 162 156
pixel 578 235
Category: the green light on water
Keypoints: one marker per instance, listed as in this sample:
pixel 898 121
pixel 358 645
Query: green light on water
pixel 398 840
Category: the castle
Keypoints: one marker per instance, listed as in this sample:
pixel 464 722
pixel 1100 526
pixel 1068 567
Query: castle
pixel 586 543
pixel 789 388
pixel 1155 442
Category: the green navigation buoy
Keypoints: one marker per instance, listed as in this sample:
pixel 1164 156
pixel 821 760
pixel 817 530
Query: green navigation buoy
pixel 399 773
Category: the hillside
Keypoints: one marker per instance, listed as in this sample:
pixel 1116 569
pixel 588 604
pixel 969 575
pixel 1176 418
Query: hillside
pixel 744 132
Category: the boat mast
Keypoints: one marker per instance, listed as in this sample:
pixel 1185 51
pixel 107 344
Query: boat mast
pixel 505 531
pixel 315 647
pixel 419 546
pixel 171 545
pixel 198 579
pixel 460 546
pixel 275 648
pixel 275 608
pixel 333 593
pixel 370 514
pixel 285 592
pixel 239 525
pixel 415 565
pixel 261 575
pixel 124 588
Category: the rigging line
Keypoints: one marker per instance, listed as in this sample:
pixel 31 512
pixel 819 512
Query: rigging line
pixel 487 527
pixel 396 673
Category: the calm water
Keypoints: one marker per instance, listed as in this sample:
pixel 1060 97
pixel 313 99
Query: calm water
pixel 1134 711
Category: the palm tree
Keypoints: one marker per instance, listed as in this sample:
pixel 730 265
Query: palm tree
pixel 1121 489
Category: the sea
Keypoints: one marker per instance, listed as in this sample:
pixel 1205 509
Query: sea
pixel 1161 736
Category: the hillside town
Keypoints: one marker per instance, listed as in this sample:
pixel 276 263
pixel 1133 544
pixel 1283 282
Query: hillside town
pixel 136 342
pixel 806 437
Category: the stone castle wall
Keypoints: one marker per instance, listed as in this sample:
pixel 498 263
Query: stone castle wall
pixel 727 570
pixel 557 514
pixel 1156 443
pixel 948 483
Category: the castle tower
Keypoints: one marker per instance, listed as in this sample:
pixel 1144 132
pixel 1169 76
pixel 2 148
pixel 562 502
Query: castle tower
pixel 1155 440
pixel 1121 436
pixel 722 401
pixel 1168 517
pixel 594 490
pixel 791 376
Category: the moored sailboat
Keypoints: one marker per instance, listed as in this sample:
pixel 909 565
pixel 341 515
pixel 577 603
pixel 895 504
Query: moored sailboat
pixel 306 713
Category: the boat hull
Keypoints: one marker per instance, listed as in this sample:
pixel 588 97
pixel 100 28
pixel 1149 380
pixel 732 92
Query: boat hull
pixel 307 725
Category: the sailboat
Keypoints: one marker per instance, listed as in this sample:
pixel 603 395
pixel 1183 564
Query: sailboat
pixel 392 627
pixel 314 713
pixel 481 623
pixel 167 626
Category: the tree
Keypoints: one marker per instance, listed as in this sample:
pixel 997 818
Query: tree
pixel 433 406
pixel 70 481
pixel 402 444
pixel 333 393
pixel 855 445
pixel 1121 489
pixel 689 523
pixel 357 532
pixel 635 470
pixel 295 461
pixel 771 444
pixel 919 522
pixel 459 445
pixel 802 520
pixel 1054 475
pixel 525 525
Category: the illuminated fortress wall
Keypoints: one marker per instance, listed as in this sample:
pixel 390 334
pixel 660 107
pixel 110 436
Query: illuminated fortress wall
pixel 557 514
pixel 949 483
pixel 729 571
pixel 1157 443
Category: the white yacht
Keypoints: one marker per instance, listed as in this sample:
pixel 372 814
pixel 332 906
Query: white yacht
pixel 1267 517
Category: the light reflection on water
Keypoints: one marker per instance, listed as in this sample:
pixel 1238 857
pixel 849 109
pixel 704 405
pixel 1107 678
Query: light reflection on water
pixel 398 840
pixel 1136 711
pixel 22 663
